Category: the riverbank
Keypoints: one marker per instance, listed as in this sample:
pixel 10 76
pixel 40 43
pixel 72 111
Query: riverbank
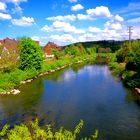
pixel 127 76
pixel 11 81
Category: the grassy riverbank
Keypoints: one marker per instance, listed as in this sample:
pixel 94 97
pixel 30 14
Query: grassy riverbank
pixel 126 64
pixel 12 79
pixel 31 62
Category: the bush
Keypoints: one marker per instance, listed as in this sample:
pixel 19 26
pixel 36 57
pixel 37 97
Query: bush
pixel 56 53
pixel 34 132
pixel 131 78
pixel 119 56
pixel 117 68
pixel 10 80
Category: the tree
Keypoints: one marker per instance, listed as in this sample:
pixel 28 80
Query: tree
pixel 133 56
pixel 31 55
pixel 91 51
pixel 56 53
pixel 119 56
pixel 71 50
pixel 81 48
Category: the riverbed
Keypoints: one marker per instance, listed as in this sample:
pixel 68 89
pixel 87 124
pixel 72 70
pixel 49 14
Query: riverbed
pixel 88 92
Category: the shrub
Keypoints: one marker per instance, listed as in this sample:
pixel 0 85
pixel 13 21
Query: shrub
pixel 56 53
pixel 34 132
pixel 119 56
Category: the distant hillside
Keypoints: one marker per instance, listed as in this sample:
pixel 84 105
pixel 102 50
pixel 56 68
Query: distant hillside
pixel 113 45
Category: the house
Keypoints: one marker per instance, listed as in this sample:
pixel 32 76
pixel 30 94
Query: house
pixel 8 46
pixel 49 48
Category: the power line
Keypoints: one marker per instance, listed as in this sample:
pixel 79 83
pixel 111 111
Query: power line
pixel 130 28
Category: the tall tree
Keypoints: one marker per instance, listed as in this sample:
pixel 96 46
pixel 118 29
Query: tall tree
pixel 31 55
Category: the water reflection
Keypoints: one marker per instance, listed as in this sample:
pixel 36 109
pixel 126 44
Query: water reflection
pixel 16 108
pixel 87 92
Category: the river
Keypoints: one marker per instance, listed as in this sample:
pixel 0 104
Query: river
pixel 87 92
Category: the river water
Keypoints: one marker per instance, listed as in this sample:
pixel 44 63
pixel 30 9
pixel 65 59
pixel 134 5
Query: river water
pixel 87 92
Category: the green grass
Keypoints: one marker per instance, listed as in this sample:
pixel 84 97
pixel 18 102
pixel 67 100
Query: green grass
pixel 12 79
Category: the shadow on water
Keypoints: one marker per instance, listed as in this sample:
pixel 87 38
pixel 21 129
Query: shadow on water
pixel 101 60
pixel 87 92
pixel 21 107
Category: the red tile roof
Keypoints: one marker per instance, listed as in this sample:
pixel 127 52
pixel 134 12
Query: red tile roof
pixel 9 44
pixel 49 47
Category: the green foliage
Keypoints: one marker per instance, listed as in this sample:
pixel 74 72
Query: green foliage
pixel 133 56
pixel 91 51
pixel 113 45
pixel 104 50
pixel 71 50
pixel 32 72
pixel 56 53
pixel 4 130
pixel 10 80
pixel 117 68
pixel 33 131
pixel 19 132
pixel 131 78
pixel 129 70
pixel 119 56
pixel 31 55
pixel 81 49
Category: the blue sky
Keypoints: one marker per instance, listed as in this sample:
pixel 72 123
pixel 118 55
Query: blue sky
pixel 69 21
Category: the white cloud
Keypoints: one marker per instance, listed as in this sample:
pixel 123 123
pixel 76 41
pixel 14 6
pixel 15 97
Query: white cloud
pixel 5 16
pixel 134 20
pixel 136 32
pixel 77 7
pixel 62 26
pixel 111 34
pixel 101 11
pixel 2 6
pixel 17 8
pixel 35 38
pixel 63 18
pixel 15 1
pixel 46 28
pixel 113 25
pixel 94 29
pixel 24 21
pixel 72 1
pixel 86 37
pixel 83 17
pixel 116 26
pixel 65 38
pixel 118 18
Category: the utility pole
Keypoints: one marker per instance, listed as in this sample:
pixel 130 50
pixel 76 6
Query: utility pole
pixel 130 33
